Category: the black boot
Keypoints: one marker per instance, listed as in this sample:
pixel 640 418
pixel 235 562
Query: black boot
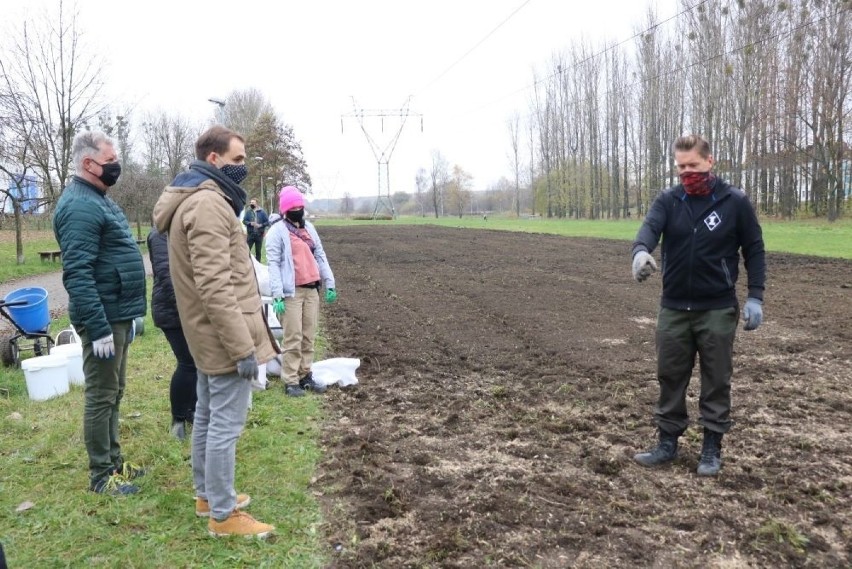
pixel 178 429
pixel 308 384
pixel 666 451
pixel 711 454
pixel 294 391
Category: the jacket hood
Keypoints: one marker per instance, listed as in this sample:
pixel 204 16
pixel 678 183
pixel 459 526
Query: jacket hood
pixel 274 217
pixel 174 195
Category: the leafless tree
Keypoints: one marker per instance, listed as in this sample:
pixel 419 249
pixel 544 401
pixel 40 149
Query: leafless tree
pixel 438 175
pixel 514 124
pixel 346 204
pixel 458 190
pixel 421 184
pixel 169 142
pixel 243 108
pixel 51 92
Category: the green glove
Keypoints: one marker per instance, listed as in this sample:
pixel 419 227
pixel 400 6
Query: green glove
pixel 278 307
pixel 330 295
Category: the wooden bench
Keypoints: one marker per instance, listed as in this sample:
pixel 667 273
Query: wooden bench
pixel 50 255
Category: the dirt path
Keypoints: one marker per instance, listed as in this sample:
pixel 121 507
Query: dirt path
pixel 57 298
pixel 507 380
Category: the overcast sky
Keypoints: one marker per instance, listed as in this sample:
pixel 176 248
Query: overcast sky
pixel 309 58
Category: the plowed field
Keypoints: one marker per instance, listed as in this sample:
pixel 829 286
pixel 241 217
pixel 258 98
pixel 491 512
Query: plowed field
pixel 507 379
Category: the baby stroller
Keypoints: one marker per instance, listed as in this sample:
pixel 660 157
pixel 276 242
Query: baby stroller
pixel 26 309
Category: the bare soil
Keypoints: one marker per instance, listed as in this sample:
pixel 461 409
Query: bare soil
pixel 507 379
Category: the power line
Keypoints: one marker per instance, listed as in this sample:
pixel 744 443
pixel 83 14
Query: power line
pixel 468 52
pixel 589 58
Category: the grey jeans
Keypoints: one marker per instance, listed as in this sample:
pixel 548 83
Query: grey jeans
pixel 680 336
pixel 220 415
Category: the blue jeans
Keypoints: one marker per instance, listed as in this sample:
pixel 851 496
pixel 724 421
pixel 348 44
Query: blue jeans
pixel 220 415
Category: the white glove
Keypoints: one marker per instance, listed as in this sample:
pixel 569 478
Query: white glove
pixel 643 265
pixel 104 348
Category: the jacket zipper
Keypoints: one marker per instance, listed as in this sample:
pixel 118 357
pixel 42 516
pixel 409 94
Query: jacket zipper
pixel 691 264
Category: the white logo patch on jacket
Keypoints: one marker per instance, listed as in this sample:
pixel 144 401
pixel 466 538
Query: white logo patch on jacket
pixel 712 221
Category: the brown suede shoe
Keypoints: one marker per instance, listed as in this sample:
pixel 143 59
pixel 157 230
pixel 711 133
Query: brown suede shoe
pixel 239 523
pixel 202 507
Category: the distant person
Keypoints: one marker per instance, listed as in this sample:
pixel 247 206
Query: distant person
pixel 219 306
pixel 705 223
pixel 103 272
pixel 298 269
pixel 182 388
pixel 256 222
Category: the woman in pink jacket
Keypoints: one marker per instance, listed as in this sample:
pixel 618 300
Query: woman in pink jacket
pixel 298 270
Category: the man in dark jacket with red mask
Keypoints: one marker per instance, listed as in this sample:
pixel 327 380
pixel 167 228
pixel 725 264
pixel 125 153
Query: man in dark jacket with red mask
pixel 705 224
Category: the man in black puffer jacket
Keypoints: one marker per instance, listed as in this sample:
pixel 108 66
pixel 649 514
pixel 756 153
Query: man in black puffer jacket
pixel 164 310
pixel 705 223
pixel 103 273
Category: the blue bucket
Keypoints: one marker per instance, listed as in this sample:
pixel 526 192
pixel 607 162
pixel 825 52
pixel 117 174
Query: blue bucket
pixel 33 316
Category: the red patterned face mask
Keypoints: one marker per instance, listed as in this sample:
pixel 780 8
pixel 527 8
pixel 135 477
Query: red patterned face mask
pixel 697 183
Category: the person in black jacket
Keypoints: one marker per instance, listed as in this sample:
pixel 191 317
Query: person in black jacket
pixel 164 310
pixel 705 224
pixel 256 222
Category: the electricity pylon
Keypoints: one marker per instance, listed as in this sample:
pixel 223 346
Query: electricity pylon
pixel 383 155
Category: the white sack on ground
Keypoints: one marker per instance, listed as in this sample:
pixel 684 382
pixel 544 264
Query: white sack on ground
pixel 274 324
pixel 336 370
pixel 273 367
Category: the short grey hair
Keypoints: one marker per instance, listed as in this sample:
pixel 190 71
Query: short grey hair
pixel 86 144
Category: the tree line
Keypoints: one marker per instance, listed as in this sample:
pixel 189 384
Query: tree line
pixel 767 82
pixel 51 88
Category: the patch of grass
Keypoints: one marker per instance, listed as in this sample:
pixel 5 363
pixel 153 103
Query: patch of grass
pixel 810 237
pixel 43 461
pixel 33 241
pixel 36 236
pixel 499 391
pixel 805 237
pixel 777 531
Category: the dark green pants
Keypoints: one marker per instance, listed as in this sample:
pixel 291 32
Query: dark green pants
pixel 105 381
pixel 680 336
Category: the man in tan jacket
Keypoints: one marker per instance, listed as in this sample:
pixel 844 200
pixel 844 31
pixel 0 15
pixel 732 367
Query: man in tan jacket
pixel 220 312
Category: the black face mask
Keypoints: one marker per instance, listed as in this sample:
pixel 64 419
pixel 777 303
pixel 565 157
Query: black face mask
pixel 295 215
pixel 110 174
pixel 236 172
pixel 253 206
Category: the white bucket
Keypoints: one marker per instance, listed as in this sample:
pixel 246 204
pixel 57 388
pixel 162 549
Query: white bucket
pixel 74 353
pixel 47 376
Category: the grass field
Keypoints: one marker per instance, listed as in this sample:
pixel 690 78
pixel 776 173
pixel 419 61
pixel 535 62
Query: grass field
pixel 806 237
pixel 61 524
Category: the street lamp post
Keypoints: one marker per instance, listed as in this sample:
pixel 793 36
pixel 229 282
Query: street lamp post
pixel 271 194
pixel 220 110
pixel 262 193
